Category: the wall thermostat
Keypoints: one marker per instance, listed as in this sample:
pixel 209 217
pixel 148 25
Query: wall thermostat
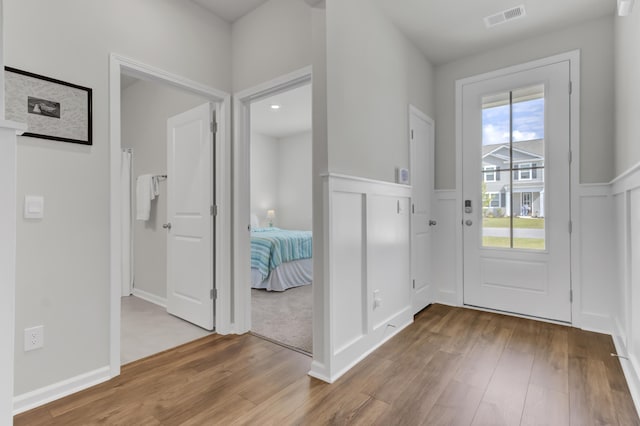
pixel 402 176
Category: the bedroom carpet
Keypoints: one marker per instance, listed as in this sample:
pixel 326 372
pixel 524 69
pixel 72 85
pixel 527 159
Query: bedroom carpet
pixel 284 317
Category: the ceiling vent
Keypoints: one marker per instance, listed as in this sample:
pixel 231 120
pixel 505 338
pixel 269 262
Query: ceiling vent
pixel 504 16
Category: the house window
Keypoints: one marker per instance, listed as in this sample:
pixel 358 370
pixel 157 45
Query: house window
pixel 524 171
pixel 489 173
pixel 496 199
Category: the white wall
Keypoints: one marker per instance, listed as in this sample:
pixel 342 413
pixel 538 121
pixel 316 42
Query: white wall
pixel 265 163
pixel 271 41
pixel 627 106
pixel 626 189
pixel 294 182
pixel 145 108
pixel 595 40
pixel 281 179
pixel 63 260
pixel 373 74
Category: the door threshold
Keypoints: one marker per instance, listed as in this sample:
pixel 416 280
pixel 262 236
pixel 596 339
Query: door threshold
pixel 517 315
pixel 284 345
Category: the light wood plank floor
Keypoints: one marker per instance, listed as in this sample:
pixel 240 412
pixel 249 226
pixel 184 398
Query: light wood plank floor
pixel 453 366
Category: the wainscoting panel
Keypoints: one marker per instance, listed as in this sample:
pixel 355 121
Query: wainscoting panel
pixel 445 245
pixel 348 251
pixel 594 264
pixel 625 285
pixel 367 235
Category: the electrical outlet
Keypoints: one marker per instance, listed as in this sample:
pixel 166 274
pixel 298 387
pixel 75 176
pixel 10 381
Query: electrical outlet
pixel 33 338
pixel 377 301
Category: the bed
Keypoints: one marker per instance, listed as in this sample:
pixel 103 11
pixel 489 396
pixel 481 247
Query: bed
pixel 280 259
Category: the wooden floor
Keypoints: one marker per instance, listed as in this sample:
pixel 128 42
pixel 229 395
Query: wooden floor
pixel 452 366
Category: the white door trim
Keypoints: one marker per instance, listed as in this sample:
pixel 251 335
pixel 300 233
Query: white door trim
pixel 120 64
pixel 241 187
pixel 574 60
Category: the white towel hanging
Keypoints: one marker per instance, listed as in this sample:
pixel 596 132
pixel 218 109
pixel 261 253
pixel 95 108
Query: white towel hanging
pixel 145 192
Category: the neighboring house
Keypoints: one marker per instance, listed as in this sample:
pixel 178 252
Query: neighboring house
pixel 527 178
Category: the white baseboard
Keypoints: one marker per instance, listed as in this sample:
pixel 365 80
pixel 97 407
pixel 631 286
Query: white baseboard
pixel 320 372
pixel 38 397
pixel 449 298
pixel 596 323
pixel 152 298
pixel 630 370
pixel 331 378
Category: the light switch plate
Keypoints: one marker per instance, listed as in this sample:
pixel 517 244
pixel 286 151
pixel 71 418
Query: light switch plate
pixel 33 207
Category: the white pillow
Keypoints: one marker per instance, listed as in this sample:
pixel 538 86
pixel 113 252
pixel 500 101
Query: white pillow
pixel 255 223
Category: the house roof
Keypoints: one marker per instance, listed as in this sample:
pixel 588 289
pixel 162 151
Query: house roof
pixel 522 151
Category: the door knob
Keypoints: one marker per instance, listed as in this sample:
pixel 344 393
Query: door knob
pixel 167 226
pixel 432 223
pixel 468 222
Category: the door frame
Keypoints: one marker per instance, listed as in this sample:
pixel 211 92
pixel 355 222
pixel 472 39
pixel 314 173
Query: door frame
pixel 120 64
pixel 242 186
pixel 574 130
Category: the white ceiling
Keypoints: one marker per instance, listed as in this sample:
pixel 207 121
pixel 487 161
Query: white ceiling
pixel 294 115
pixel 230 10
pixel 446 30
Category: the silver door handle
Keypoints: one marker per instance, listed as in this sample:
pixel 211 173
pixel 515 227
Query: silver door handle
pixel 468 222
pixel 432 223
pixel 167 226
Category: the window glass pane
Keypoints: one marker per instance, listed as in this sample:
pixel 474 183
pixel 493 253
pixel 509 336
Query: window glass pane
pixel 513 169
pixel 528 152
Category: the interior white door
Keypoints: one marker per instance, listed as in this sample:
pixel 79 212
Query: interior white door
pixel 190 231
pixel 421 147
pixel 516 211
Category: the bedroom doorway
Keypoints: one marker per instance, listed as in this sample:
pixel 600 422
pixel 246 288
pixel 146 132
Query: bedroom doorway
pixel 278 263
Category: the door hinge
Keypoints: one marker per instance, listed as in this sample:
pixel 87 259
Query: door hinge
pixel 411 133
pixel 570 156
pixel 214 210
pixel 414 284
pixel 413 208
pixel 214 126
pixel 571 87
pixel 570 226
pixel 213 293
pixel 571 296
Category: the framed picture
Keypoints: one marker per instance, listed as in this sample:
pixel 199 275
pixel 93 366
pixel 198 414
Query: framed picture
pixel 52 109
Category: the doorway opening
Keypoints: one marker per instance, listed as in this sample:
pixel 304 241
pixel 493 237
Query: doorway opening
pixel 149 323
pixel 281 218
pixel 273 258
pixel 211 165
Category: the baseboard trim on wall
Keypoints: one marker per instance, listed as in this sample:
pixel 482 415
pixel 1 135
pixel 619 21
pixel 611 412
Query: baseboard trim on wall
pixel 331 378
pixel 449 298
pixel 38 397
pixel 597 323
pixel 629 368
pixel 152 298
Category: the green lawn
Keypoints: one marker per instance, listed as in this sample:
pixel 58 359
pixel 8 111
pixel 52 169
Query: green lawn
pixel 518 222
pixel 521 243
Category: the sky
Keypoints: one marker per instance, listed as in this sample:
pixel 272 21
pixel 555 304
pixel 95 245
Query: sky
pixel 528 122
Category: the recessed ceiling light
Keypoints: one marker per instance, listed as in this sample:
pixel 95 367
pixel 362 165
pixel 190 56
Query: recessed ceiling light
pixel 275 106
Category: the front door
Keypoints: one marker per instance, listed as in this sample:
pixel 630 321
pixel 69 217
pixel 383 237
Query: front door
pixel 190 256
pixel 516 200
pixel 421 149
